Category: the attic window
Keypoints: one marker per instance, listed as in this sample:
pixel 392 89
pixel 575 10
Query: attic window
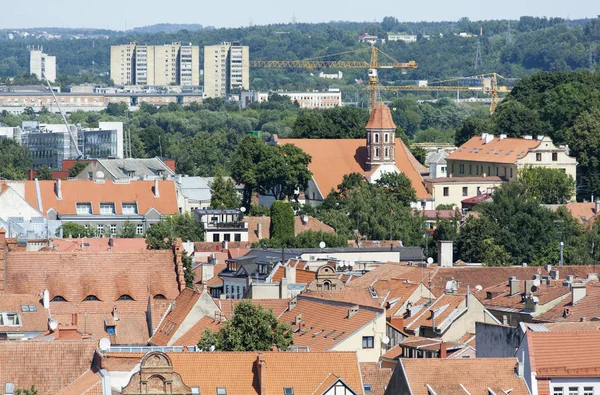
pixel 125 297
pixel 91 298
pixel 58 298
pixel 84 208
pixel 290 390
pixel 129 208
pixel 10 319
pixel 111 329
pixel 367 388
pixel 28 308
pixel 221 391
pixel 159 297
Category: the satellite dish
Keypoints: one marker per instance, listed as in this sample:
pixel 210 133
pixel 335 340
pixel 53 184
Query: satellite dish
pixel 243 209
pixel 53 325
pixel 536 283
pixel 385 340
pixel 100 174
pixel 430 260
pixel 104 344
pixel 322 244
pixel 534 289
pixel 478 288
pixel 212 348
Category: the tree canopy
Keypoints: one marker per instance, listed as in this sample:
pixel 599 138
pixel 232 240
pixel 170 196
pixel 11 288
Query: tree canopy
pixel 162 234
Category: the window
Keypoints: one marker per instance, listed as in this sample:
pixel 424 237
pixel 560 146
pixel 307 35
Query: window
pixel 588 390
pixel 496 171
pixel 289 390
pixel 58 298
pixel 216 237
pixel 113 229
pixel 489 173
pixel 125 297
pixel 111 329
pixel 462 169
pixel 195 390
pixel 554 156
pixel 107 208
pixel 28 308
pixel 465 191
pixel 511 173
pixel 221 391
pixel 139 229
pixel 100 229
pixel 446 191
pixel 376 152
pixel 557 391
pixel 10 319
pixel 376 137
pixel 367 342
pixel 453 168
pixel 387 152
pixel 227 237
pixel 470 169
pixel 84 208
pixel 367 388
pixel 91 298
pixel 129 208
pixel 159 297
pixel 538 157
pixel 237 237
pixel 386 137
pixel 573 390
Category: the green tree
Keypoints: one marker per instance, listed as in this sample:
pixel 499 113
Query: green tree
pixel 162 234
pixel 282 170
pixel 128 230
pixel 472 127
pixel 307 239
pixel 223 193
pixel 44 173
pixel 244 165
pixel 494 254
pixel 584 143
pixel 251 328
pixel 77 168
pixel 188 273
pixel 14 160
pixel 400 186
pixel 548 186
pixel 282 221
pixel 71 229
pixel 24 391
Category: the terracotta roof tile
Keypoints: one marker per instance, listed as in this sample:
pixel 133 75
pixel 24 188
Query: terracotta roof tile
pixel 175 317
pixel 588 307
pixel 500 295
pixel 98 244
pixel 194 334
pixel 88 191
pixel 106 275
pixel 334 158
pixel 302 276
pixel 445 376
pixel 48 365
pixel 325 323
pixel 360 296
pixel 88 383
pixel 507 150
pixel 582 210
pixel 31 321
pixel 564 354
pixel 381 118
pixel 445 304
pixel 389 271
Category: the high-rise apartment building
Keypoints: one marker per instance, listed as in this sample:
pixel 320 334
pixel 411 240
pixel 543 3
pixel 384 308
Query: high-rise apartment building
pixel 155 65
pixel 226 69
pixel 42 65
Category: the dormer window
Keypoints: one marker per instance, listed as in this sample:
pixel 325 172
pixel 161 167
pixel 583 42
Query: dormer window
pixel 111 329
pixel 10 319
pixel 91 298
pixel 159 297
pixel 125 297
pixel 129 208
pixel 58 298
pixel 84 208
pixel 107 208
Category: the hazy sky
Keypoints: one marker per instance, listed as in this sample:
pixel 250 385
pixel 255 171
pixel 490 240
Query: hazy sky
pixel 126 14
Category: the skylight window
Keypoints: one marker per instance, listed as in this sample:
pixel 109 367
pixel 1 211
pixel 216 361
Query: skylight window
pixel 288 391
pixel 28 308
pixel 367 388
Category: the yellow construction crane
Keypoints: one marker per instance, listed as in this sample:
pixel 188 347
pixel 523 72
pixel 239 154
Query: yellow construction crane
pixel 320 62
pixel 489 85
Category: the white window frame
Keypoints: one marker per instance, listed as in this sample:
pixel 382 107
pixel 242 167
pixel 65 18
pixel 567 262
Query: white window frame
pixel 129 205
pixel 107 208
pixel 139 229
pixel 87 206
pixel 15 319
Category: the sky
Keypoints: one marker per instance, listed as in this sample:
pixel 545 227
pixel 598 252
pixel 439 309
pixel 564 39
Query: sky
pixel 126 14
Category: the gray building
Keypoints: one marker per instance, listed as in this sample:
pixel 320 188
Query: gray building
pixel 127 169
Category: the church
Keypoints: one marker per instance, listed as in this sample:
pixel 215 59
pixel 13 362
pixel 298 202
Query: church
pixel 381 152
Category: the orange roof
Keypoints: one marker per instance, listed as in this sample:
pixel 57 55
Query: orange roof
pixel 500 294
pixel 389 271
pixel 445 304
pixel 381 118
pixel 564 354
pixel 302 276
pixel 88 383
pixel 587 307
pixel 194 334
pixel 361 296
pixel 507 150
pixel 334 158
pixel 106 275
pixel 310 370
pixel 88 191
pixel 99 244
pixel 47 365
pixel 461 376
pixel 36 321
pixel 175 317
pixel 325 323
pixel 581 211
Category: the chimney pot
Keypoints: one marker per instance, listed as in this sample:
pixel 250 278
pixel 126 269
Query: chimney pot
pixel 156 191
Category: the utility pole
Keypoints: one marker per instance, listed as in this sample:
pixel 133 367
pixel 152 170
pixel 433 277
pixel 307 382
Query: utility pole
pixel 478 58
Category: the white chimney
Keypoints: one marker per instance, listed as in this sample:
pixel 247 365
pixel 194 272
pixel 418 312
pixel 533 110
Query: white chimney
pixel 156 191
pixel 596 206
pixel 58 189
pixel 488 138
pixel 528 137
pixel 259 231
pixel 578 292
pixel 46 299
pixel 502 136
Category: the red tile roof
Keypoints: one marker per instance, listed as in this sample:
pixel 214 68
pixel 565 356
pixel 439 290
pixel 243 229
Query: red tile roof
pixel 445 304
pixel 88 191
pixel 88 383
pixel 381 118
pixel 588 307
pixel 390 271
pixel 302 276
pixel 361 296
pixel 98 244
pixel 458 376
pixel 581 211
pixel 175 317
pixel 334 158
pixel 507 150
pixel 500 295
pixel 325 323
pixel 47 365
pixel 377 377
pixel 36 321
pixel 106 275
pixel 564 354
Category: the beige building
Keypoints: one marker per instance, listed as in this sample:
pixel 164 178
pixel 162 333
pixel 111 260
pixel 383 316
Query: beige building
pixel 487 155
pixel 453 190
pixel 155 65
pixel 42 65
pixel 226 69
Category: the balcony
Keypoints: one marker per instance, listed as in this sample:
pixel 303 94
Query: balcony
pixel 226 225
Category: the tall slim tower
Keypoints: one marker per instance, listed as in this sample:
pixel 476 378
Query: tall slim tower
pixel 381 138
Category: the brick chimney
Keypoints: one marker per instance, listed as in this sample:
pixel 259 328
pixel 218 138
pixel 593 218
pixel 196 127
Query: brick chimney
pixel 578 292
pixel 259 231
pixel 261 366
pixel 443 348
pixel 178 253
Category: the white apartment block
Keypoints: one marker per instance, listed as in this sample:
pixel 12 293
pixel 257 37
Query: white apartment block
pixel 226 69
pixel 42 65
pixel 155 65
pixel 407 38
pixel 326 99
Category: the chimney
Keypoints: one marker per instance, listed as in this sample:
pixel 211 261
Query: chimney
pixel 467 295
pixel 74 319
pixel 521 365
pixel 298 319
pixel 2 238
pixel 178 253
pixel 283 288
pixel 432 316
pixel 537 277
pixel 515 286
pixel 578 292
pixel 259 231
pixel 292 304
pixel 443 347
pixel 46 299
pixel 528 137
pixel 528 286
pixel 502 136
pixel 156 191
pixel 488 138
pixel 352 311
pixel 446 253
pixel 596 206
pixel 290 274
pixel 262 373
pixel 208 271
pixel 114 314
pixel 58 189
pixel 540 137
pixel 548 268
pixel 554 274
